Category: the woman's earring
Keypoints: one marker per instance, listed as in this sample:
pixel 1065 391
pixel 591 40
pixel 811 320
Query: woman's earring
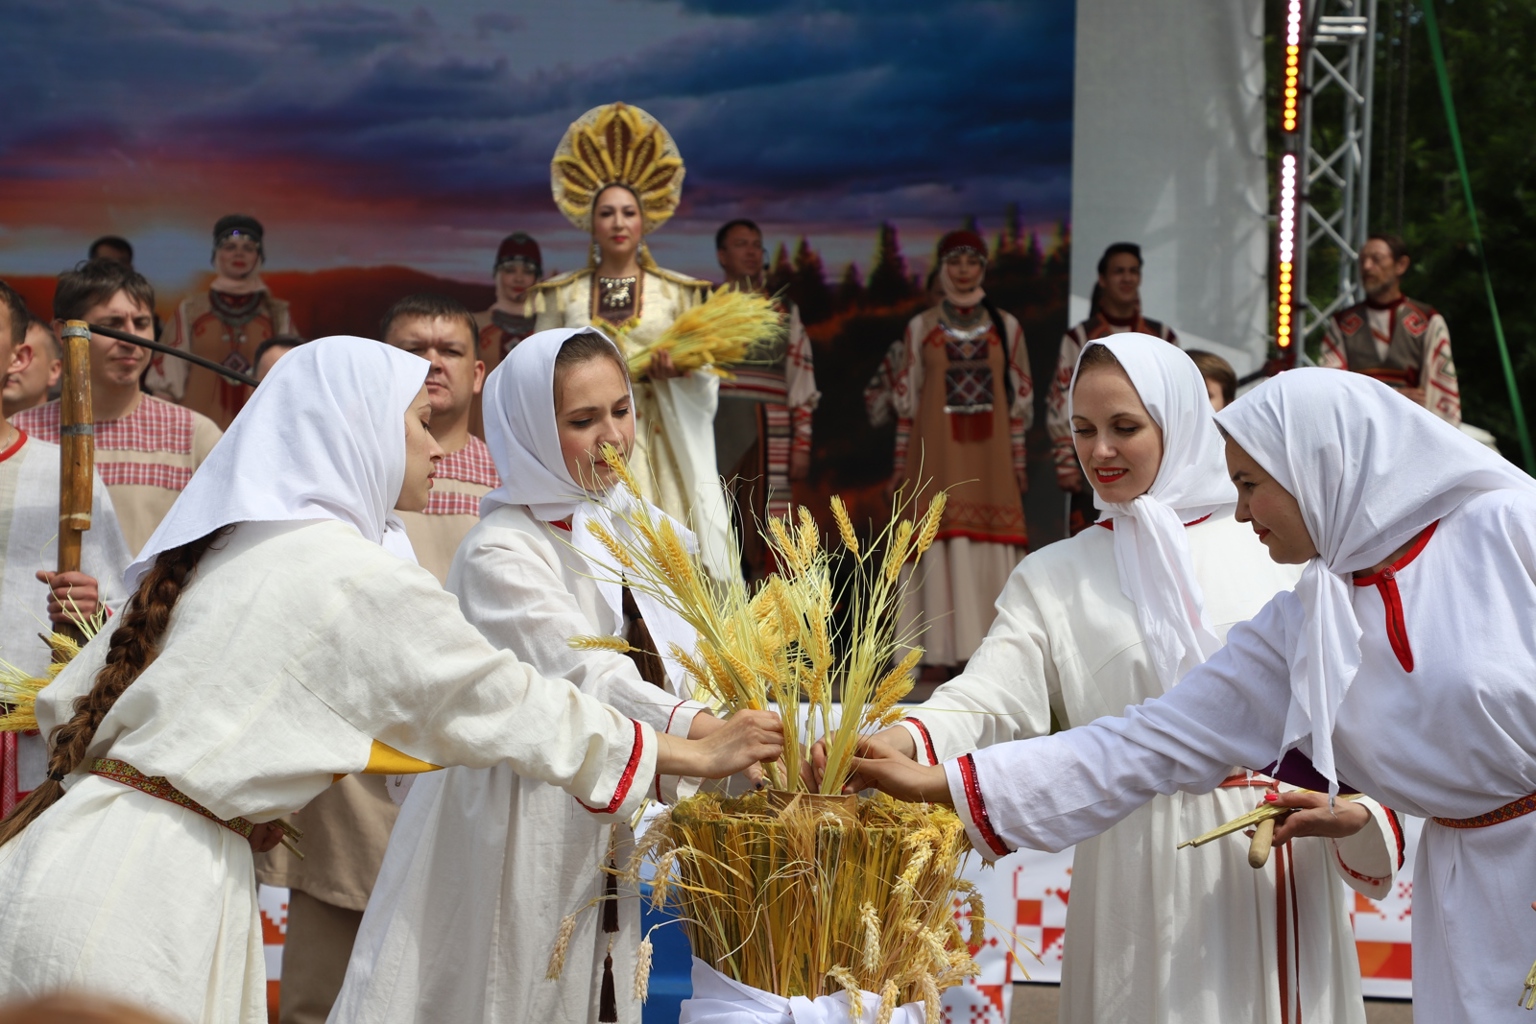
pixel 597 253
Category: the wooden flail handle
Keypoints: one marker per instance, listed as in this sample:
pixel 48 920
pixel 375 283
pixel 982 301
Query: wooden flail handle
pixel 77 456
pixel 1263 839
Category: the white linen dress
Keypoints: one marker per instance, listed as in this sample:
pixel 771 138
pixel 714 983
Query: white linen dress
pixel 484 863
pixel 298 652
pixel 1454 736
pixel 1155 933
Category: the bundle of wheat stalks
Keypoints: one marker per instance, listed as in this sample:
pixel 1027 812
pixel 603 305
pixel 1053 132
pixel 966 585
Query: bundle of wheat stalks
pixel 19 690
pixel 801 900
pixel 726 328
pixel 805 894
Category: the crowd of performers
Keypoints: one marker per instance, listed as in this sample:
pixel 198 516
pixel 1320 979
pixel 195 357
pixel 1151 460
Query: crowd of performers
pixel 339 603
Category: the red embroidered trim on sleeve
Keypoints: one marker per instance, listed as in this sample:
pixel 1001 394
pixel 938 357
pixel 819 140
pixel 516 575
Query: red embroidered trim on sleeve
pixel 1397 832
pixel 978 807
pixel 1357 876
pixel 627 779
pixel 933 758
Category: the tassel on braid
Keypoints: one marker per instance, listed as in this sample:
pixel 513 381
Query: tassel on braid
pixel 135 643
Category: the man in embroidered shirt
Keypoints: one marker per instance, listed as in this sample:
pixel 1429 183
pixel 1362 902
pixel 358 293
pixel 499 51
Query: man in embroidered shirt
pixel 763 423
pixel 1114 309
pixel 31 595
pixel 42 366
pixel 226 324
pixel 442 331
pixel 146 449
pixel 1389 336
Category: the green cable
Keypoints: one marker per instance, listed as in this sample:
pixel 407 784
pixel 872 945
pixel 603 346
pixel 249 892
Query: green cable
pixel 1477 236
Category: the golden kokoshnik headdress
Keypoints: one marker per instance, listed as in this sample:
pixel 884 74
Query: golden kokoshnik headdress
pixel 617 144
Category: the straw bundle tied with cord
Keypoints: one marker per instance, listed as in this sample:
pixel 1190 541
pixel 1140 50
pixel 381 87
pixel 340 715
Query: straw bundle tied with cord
pixel 796 892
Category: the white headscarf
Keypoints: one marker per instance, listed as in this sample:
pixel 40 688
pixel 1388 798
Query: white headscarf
pixel 523 434
pixel 1370 470
pixel 322 438
pixel 1151 549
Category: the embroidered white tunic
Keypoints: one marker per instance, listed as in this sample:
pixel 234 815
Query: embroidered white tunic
pixel 1155 933
pixel 1440 721
pixel 297 652
pixel 486 862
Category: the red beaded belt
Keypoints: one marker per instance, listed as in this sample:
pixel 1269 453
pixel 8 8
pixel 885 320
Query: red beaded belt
pixel 157 786
pixel 1514 809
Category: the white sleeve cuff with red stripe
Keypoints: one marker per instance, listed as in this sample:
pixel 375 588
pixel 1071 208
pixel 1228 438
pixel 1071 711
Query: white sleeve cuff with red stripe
pixel 965 792
pixel 635 776
pixel 921 741
pixel 669 789
pixel 1368 861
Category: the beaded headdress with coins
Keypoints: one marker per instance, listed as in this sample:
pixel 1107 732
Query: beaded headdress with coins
pixel 617 144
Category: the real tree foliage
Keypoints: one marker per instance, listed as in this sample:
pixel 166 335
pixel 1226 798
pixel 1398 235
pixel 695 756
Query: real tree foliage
pixel 1416 191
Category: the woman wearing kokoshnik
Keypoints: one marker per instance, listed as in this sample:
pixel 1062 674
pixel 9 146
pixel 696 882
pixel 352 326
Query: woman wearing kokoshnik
pixel 271 645
pixel 1112 617
pixel 963 400
pixel 487 862
pixel 1401 665
pixel 617 176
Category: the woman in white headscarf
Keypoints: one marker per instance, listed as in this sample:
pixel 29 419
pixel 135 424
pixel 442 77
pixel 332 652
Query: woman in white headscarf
pixel 1110 618
pixel 1401 665
pixel 270 646
pixel 488 862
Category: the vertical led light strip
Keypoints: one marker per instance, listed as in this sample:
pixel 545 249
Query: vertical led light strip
pixel 1289 119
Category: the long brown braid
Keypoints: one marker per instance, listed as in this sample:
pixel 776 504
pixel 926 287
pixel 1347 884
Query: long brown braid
pixel 135 643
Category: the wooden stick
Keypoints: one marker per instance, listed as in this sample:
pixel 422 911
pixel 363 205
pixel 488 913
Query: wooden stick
pixel 77 456
pixel 1242 822
pixel 1263 838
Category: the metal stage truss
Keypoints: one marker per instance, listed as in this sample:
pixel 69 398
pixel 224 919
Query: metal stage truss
pixel 1325 163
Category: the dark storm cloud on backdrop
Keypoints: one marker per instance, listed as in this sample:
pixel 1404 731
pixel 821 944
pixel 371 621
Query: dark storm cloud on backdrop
pixel 815 111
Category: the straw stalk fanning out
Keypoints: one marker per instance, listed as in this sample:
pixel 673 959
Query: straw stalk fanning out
pixel 795 892
pixel 19 690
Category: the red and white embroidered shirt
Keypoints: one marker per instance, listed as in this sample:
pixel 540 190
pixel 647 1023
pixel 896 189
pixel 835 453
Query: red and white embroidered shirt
pixel 144 458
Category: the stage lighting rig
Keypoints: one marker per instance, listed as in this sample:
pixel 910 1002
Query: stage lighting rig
pixel 1322 194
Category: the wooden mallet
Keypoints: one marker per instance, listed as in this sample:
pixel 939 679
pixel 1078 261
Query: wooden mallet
pixel 77 455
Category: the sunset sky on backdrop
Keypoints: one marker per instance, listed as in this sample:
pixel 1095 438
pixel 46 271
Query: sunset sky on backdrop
pixel 380 132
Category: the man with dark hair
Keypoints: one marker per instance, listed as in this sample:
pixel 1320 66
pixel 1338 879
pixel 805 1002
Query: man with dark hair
pixel 271 350
pixel 31 594
pixel 224 324
pixel 146 449
pixel 519 265
pixel 1393 338
pixel 763 422
pixel 112 247
pixel 1115 308
pixel 35 382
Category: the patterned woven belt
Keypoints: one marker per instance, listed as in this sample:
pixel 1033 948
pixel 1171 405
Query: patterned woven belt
pixel 1514 809
pixel 157 786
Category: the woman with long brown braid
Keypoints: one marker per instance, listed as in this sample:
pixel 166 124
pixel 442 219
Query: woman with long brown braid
pixel 272 645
